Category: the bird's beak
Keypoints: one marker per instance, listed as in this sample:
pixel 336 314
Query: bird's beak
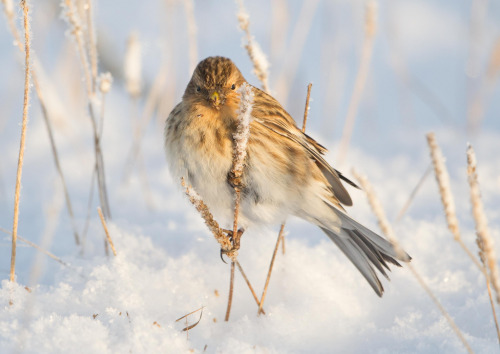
pixel 215 98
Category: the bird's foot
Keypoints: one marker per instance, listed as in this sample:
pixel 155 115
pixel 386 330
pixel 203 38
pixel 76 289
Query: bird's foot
pixel 235 241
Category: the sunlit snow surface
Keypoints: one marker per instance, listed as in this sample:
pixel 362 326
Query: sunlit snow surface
pixel 167 263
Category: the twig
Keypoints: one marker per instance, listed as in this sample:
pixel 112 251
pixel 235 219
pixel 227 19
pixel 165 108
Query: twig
pixel 230 296
pixel 387 230
pixel 443 180
pixel 23 138
pixel 264 292
pixel 180 318
pixel 359 85
pixel 108 237
pixel 306 109
pixel 249 285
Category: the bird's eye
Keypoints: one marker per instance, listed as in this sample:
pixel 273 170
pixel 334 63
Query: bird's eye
pixel 233 87
pixel 198 88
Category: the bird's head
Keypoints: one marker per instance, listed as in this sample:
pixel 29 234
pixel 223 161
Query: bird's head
pixel 214 83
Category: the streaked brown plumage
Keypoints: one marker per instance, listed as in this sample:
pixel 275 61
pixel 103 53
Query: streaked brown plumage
pixel 284 174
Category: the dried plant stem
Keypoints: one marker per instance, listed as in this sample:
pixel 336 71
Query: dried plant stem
pixel 92 48
pixel 492 303
pixel 359 85
pixel 23 139
pixel 306 109
pixel 105 226
pixel 249 285
pixel 230 296
pixel 414 193
pixel 484 239
pixel 264 292
pixel 388 231
pixel 45 114
pixel 443 180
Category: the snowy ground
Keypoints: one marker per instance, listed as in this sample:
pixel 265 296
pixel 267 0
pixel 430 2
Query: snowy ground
pixel 168 264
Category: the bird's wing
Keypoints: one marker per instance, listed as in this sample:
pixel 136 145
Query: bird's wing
pixel 270 114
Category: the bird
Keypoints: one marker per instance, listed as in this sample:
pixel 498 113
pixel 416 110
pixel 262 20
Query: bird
pixel 284 174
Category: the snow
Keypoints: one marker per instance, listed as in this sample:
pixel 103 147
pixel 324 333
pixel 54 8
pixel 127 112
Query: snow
pixel 167 262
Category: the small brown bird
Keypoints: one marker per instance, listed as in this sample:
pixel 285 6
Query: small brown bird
pixel 284 173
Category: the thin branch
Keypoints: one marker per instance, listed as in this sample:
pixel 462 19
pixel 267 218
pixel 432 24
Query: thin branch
pixel 249 285
pixel 23 138
pixel 264 292
pixel 230 296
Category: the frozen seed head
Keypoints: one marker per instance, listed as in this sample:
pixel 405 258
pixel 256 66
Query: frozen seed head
pixel 243 129
pixel 484 239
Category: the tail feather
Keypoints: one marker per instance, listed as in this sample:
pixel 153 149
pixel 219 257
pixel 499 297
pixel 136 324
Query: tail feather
pixel 358 258
pixel 364 248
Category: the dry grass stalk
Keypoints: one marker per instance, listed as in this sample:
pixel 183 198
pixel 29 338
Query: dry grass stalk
pixel 230 297
pixel 387 230
pixel 77 31
pixel 484 239
pixel 362 75
pixel 259 60
pixel 74 21
pixel 35 246
pixel 249 285
pixel 306 109
pixel 191 28
pixel 36 65
pixel 212 225
pixel 91 42
pixel 27 64
pixel 443 180
pixel 264 292
pixel 105 226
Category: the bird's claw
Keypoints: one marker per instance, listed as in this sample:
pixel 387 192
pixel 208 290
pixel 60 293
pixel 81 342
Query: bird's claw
pixel 235 241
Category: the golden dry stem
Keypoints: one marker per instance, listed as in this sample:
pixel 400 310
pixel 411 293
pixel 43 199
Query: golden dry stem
pixel 484 240
pixel 105 226
pixel 443 180
pixel 17 193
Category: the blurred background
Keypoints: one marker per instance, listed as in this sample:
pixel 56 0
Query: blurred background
pixel 428 66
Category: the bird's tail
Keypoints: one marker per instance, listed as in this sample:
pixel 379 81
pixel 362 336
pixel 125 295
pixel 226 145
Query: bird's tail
pixel 364 248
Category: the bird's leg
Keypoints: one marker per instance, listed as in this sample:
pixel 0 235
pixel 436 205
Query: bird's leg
pixel 235 179
pixel 235 240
